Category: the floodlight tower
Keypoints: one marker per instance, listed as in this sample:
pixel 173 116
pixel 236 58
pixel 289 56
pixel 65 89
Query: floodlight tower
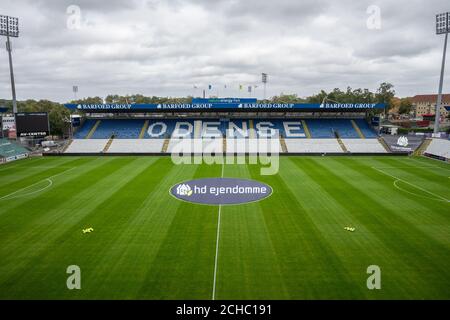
pixel 442 27
pixel 264 81
pixel 9 27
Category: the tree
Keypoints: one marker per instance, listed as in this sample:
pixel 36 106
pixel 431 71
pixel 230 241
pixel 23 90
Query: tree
pixel 405 106
pixel 384 94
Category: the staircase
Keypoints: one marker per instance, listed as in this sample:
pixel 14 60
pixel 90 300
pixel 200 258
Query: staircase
pixel 67 146
pixel 108 144
pixel 343 147
pixel 165 145
pixel 91 132
pixel 224 144
pixel 144 129
pixel 306 129
pixel 423 147
pixel 385 146
pixel 284 148
pixel 357 129
pixel 251 129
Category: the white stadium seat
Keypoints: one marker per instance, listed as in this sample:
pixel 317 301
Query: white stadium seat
pixel 313 146
pixel 439 147
pixel 87 146
pixel 206 145
pixel 136 146
pixel 363 146
pixel 264 146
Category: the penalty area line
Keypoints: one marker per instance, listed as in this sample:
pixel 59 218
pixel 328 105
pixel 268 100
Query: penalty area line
pixel 217 246
pixel 411 184
pixel 31 185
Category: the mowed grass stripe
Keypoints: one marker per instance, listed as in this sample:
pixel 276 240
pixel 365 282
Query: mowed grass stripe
pixel 184 264
pixel 10 168
pixel 414 211
pixel 415 207
pixel 137 239
pixel 53 222
pixel 419 176
pixel 20 212
pixel 246 253
pixel 7 187
pixel 89 251
pixel 392 230
pixel 148 245
pixel 309 262
pixel 330 218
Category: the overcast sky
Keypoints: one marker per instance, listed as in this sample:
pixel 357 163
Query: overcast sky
pixel 165 47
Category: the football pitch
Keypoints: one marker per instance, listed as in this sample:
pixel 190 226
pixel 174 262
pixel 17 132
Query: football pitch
pixel 292 245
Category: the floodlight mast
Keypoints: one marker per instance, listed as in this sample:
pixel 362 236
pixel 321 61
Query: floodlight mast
pixel 10 31
pixel 264 81
pixel 442 27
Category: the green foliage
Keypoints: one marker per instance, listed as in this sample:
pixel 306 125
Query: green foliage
pixel 139 98
pixel 405 106
pixel 287 98
pixel 384 94
pixel 339 96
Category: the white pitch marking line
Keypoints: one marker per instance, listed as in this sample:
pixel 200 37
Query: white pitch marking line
pixel 49 178
pixel 30 193
pixel 411 184
pixel 217 247
pixel 438 167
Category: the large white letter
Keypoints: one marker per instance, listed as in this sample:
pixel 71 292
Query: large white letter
pixel 211 130
pixel 234 128
pixel 265 130
pixel 161 132
pixel 294 125
pixel 178 132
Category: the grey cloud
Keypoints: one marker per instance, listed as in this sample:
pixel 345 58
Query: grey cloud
pixel 165 47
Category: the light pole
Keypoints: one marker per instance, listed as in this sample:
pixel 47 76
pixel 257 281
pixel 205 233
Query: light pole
pixel 75 90
pixel 9 27
pixel 264 81
pixel 442 27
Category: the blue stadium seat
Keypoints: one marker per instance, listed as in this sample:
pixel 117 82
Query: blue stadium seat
pixel 83 131
pixel 122 129
pixel 326 128
pixel 367 131
pixel 164 128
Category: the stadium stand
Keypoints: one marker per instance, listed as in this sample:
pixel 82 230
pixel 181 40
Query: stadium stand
pixel 327 135
pixel 366 130
pixel 363 146
pixel 83 131
pixel 328 128
pixel 313 146
pixel 10 150
pixel 121 129
pixel 191 128
pixel 439 148
pixel 136 146
pixel 87 146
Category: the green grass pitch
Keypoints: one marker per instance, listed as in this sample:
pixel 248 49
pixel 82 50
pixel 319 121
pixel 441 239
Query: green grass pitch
pixel 292 245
